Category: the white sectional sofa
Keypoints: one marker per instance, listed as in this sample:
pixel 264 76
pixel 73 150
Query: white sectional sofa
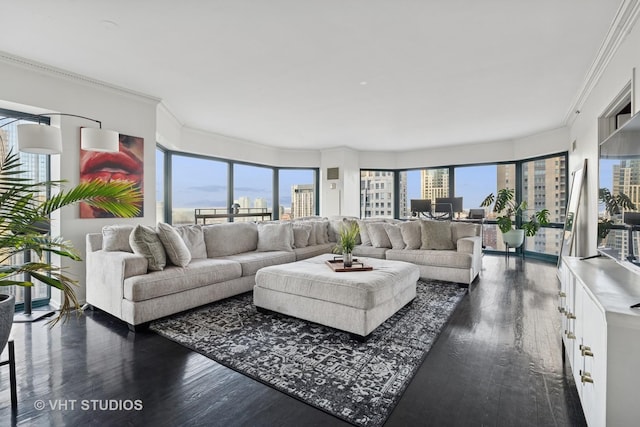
pixel 141 274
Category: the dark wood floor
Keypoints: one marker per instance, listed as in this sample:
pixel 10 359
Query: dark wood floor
pixel 498 362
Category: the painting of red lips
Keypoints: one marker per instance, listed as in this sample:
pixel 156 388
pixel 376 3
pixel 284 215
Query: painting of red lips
pixel 124 165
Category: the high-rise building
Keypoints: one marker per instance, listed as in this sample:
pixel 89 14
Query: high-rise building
pixel 626 180
pixel 302 200
pixel 260 203
pixel 376 194
pixel 434 183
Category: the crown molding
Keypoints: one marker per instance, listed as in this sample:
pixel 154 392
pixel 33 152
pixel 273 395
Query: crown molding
pixel 28 64
pixel 621 25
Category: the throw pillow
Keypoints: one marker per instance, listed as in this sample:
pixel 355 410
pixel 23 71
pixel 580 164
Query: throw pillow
pixel 275 237
pixel 335 226
pixel 176 249
pixel 145 241
pixel 463 229
pixel 365 239
pixel 312 234
pixel 411 234
pixel 301 234
pixel 378 235
pixel 436 235
pixel 395 235
pixel 230 238
pixel 193 237
pixel 116 238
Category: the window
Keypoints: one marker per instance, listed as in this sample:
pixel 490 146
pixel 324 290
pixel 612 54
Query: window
pixel 297 193
pixel 549 175
pixel 474 183
pixel 160 158
pixel 422 184
pixel 253 191
pixel 197 183
pixel 36 167
pixel 375 185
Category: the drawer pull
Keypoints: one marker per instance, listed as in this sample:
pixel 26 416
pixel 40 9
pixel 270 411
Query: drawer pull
pixel 561 309
pixel 584 347
pixel 570 315
pixel 562 294
pixel 571 336
pixel 586 378
pixel 586 352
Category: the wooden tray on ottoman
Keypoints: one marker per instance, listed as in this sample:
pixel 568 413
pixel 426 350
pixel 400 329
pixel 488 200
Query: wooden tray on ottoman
pixel 337 265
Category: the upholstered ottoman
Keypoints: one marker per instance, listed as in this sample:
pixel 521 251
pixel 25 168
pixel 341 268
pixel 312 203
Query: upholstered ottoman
pixel 356 302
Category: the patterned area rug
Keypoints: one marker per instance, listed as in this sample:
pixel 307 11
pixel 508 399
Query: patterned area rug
pixel 357 382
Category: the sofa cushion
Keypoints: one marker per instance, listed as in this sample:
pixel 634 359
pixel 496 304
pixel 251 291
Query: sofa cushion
pixel 311 251
pixel 301 234
pixel 230 238
pixel 378 235
pixel 145 241
pixel 395 235
pixel 251 262
pixel 275 237
pixel 411 234
pixel 176 249
pixel 116 238
pixel 173 279
pixel 193 237
pixel 436 235
pixel 370 251
pixel 435 258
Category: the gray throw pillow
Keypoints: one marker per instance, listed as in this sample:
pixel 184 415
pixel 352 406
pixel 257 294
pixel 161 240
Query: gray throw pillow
pixel 145 241
pixel 463 229
pixel 301 234
pixel 275 237
pixel 193 237
pixel 436 235
pixel 116 238
pixel 395 235
pixel 411 234
pixel 378 235
pixel 230 238
pixel 365 239
pixel 174 246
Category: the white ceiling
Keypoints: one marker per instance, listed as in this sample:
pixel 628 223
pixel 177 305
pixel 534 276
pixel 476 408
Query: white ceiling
pixel 366 74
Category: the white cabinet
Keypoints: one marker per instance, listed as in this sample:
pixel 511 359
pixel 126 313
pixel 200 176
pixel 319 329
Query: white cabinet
pixel 601 337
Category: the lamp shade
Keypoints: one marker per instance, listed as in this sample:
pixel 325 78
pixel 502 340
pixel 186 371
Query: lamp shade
pixel 39 139
pixel 98 139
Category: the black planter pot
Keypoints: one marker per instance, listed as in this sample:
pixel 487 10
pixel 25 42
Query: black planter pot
pixel 7 309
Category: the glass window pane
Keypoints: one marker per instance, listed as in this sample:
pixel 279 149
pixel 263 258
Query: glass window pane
pixel 427 184
pixel 297 193
pixel 253 192
pixel 376 194
pixel 505 178
pixel 36 168
pixel 160 156
pixel 473 184
pixel 197 184
pixel 544 187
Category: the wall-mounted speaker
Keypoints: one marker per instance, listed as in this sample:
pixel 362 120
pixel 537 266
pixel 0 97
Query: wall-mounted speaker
pixel 333 173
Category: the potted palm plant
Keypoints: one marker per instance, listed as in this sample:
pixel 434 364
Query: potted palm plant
pixel 510 212
pixel 347 239
pixel 21 219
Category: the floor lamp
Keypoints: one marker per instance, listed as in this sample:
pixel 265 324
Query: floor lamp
pixel 38 138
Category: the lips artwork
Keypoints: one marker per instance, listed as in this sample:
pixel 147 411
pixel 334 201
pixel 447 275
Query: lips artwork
pixel 124 165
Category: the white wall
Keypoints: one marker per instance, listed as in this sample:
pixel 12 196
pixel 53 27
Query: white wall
pixel 584 130
pixel 41 88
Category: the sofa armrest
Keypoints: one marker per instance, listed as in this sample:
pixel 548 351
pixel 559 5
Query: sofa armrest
pixel 470 245
pixel 106 272
pixel 94 242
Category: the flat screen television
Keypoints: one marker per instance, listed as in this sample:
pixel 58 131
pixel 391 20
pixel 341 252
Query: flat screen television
pixel 421 205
